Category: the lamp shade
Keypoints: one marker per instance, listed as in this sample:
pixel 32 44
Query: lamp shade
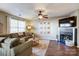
pixel 29 27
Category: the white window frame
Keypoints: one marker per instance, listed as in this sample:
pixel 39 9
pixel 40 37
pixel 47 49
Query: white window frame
pixel 18 27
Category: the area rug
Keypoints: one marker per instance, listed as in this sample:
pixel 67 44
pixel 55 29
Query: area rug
pixel 40 49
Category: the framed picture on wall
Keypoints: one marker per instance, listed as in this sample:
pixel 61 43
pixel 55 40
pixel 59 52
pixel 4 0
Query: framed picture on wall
pixel 48 22
pixel 48 32
pixel 44 22
pixel 48 27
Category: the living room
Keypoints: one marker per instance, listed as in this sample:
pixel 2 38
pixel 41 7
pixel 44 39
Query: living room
pixel 39 29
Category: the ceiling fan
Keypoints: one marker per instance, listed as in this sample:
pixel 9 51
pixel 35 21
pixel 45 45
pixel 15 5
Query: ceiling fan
pixel 41 15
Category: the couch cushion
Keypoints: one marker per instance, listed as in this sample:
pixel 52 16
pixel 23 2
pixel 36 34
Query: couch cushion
pixel 27 37
pixel 14 35
pixel 11 42
pixel 20 34
pixel 2 39
pixel 28 34
pixel 15 43
pixel 24 34
pixel 22 40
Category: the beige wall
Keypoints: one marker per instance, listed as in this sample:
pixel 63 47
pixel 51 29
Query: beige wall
pixel 3 20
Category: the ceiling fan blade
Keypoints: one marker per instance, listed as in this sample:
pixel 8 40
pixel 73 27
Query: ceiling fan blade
pixel 45 16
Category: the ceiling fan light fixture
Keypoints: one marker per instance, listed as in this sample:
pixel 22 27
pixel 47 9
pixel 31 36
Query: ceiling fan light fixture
pixel 40 16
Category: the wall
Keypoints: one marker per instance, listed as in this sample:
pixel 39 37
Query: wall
pixel 41 28
pixel 76 13
pixel 3 20
pixel 31 24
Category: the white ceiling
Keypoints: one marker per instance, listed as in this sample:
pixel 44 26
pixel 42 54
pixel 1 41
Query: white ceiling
pixel 28 10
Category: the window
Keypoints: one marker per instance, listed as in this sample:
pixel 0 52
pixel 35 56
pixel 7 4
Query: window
pixel 21 26
pixel 17 26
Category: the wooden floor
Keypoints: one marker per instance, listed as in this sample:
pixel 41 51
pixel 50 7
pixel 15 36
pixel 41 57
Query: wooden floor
pixel 57 49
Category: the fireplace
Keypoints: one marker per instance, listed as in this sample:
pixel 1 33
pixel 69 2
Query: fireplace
pixel 68 34
pixel 68 30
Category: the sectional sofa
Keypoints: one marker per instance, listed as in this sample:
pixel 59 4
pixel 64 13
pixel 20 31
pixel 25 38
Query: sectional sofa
pixel 16 44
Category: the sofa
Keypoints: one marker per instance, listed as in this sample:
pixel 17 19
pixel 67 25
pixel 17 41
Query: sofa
pixel 16 44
